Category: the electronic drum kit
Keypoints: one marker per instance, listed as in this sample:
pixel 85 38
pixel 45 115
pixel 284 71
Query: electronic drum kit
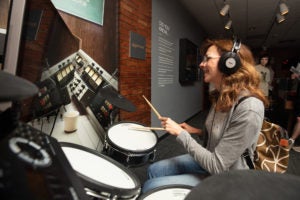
pixel 104 175
pixel 107 176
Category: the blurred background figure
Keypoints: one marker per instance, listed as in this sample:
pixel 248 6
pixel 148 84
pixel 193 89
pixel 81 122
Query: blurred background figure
pixel 296 102
pixel 265 74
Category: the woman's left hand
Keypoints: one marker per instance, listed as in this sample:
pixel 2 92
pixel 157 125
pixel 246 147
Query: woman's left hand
pixel 171 126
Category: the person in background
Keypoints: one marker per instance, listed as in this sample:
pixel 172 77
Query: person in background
pixel 229 130
pixel 272 75
pixel 265 74
pixel 296 130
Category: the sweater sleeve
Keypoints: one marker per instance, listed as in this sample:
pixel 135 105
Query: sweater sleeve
pixel 241 132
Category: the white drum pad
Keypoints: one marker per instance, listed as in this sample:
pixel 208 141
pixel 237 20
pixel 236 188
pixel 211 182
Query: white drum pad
pixel 169 193
pixel 98 168
pixel 124 136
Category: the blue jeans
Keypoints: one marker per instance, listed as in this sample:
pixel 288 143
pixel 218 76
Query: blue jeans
pixel 182 170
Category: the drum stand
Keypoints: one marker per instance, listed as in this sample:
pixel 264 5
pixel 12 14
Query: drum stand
pixel 113 116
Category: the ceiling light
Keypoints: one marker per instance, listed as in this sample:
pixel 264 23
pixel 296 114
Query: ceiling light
pixel 283 8
pixel 228 24
pixel 224 11
pixel 280 18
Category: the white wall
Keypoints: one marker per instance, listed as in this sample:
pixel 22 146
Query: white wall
pixel 170 22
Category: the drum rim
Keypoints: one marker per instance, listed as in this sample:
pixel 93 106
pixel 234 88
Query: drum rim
pixel 110 142
pixel 180 186
pixel 111 189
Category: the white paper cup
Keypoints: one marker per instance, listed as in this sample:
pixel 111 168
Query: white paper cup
pixel 70 121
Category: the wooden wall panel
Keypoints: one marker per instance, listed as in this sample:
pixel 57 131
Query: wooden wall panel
pixel 99 42
pixel 4 10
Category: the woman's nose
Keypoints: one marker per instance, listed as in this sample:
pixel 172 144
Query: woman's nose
pixel 202 64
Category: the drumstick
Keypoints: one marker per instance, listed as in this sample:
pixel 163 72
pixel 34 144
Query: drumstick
pixel 152 107
pixel 146 128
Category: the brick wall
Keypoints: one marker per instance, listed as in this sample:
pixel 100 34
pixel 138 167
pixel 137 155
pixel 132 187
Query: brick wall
pixel 135 74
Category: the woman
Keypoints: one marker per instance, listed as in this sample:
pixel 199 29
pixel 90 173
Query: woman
pixel 230 130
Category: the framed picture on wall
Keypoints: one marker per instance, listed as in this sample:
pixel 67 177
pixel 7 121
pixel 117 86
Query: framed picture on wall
pixel 188 62
pixel 89 10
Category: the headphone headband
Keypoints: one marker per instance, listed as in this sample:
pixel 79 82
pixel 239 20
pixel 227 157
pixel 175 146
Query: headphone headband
pixel 236 45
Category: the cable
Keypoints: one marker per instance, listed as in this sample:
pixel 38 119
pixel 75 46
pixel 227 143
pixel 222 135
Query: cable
pixel 98 144
pixel 214 115
pixel 54 121
pixel 42 124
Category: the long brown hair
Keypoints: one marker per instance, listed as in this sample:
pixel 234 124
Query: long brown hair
pixel 246 78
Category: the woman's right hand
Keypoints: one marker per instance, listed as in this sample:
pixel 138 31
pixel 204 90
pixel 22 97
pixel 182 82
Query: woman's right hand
pixel 190 129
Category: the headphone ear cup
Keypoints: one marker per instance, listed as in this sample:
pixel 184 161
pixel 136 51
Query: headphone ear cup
pixel 229 63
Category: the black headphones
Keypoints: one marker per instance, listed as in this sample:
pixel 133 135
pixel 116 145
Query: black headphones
pixel 230 62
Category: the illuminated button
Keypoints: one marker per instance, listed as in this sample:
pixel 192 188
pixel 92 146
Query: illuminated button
pixel 95 76
pixel 64 73
pixel 59 76
pixel 99 81
pixel 91 73
pixel 87 69
pixel 68 70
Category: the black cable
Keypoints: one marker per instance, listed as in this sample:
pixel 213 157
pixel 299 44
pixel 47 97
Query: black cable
pixel 98 143
pixel 42 125
pixel 214 115
pixel 64 107
pixel 54 121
